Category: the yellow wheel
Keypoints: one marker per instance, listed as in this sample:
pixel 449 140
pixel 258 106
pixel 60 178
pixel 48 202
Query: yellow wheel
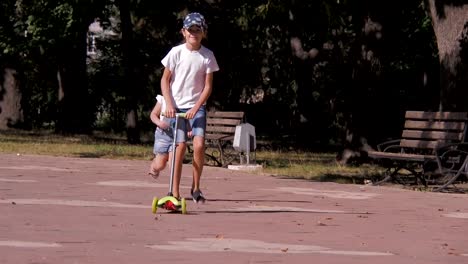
pixel 183 206
pixel 154 206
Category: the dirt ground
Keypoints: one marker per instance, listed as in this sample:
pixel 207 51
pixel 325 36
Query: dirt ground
pixel 84 210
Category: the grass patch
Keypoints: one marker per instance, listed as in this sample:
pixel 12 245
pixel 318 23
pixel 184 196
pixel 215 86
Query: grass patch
pixel 313 166
pixel 93 146
pixel 291 164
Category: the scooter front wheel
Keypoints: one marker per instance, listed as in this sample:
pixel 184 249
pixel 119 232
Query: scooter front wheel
pixel 183 208
pixel 154 206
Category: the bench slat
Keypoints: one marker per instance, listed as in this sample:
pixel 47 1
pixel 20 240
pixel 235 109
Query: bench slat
pixel 221 129
pixel 438 125
pixel 400 156
pixel 436 115
pixel 421 144
pixel 219 136
pixel 219 121
pixel 236 115
pixel 432 135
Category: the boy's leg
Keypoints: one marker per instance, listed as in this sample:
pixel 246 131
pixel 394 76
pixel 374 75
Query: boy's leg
pixel 198 124
pixel 198 161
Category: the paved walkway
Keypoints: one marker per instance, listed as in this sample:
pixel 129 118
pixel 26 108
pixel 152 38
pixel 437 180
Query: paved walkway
pixel 72 210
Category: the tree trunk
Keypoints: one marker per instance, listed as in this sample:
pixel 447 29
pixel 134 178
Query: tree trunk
pixel 74 111
pixel 11 113
pixel 450 23
pixel 129 80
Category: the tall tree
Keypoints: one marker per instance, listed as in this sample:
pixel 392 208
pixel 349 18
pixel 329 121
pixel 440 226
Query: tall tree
pixel 11 112
pixel 450 22
pixel 74 116
pixel 48 39
pixel 129 81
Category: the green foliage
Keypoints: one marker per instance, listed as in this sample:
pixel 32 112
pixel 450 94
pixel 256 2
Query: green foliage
pixel 351 56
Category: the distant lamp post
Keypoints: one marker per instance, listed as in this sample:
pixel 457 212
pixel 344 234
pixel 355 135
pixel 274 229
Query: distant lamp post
pixel 93 30
pixel 91 43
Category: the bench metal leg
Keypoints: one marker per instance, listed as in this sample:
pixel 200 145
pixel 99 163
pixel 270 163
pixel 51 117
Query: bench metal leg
pixel 221 154
pixel 212 157
pixel 385 179
pixel 393 175
pixel 388 176
pixel 460 171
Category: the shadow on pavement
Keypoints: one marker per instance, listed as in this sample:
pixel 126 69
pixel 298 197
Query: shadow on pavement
pixel 254 200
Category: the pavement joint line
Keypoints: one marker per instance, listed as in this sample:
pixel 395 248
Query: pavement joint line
pixel 327 193
pixel 283 209
pixel 122 183
pixel 224 245
pixel 144 184
pixel 255 246
pixel 70 203
pixel 82 203
pixel 32 167
pixel 16 180
pixel 28 244
pixel 456 215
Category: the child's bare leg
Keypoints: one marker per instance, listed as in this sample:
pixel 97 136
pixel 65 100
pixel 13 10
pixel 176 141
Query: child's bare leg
pixel 180 153
pixel 198 161
pixel 157 165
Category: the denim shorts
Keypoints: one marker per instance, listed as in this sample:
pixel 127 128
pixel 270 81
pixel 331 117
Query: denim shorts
pixel 196 124
pixel 163 138
pixel 162 141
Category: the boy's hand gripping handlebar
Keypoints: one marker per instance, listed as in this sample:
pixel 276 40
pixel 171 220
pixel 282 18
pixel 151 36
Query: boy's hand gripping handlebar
pixel 182 115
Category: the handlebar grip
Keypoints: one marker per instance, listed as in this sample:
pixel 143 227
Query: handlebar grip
pixel 182 115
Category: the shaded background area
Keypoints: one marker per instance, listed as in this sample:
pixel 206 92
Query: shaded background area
pixel 309 75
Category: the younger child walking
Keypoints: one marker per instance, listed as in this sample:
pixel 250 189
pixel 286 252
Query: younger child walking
pixel 163 137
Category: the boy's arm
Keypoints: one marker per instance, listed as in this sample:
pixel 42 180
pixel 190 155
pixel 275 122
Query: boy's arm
pixel 203 97
pixel 166 91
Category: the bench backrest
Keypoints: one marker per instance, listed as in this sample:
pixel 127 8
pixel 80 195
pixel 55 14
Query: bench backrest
pixel 222 124
pixel 427 130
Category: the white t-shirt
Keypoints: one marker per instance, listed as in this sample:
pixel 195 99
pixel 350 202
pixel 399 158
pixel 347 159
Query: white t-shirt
pixel 160 99
pixel 188 71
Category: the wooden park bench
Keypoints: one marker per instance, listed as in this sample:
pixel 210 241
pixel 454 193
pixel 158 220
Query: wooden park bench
pixel 219 137
pixel 431 150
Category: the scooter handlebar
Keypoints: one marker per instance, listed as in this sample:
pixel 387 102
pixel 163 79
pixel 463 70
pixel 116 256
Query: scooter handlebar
pixel 182 115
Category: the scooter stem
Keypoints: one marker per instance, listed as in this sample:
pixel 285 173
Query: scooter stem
pixel 174 145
